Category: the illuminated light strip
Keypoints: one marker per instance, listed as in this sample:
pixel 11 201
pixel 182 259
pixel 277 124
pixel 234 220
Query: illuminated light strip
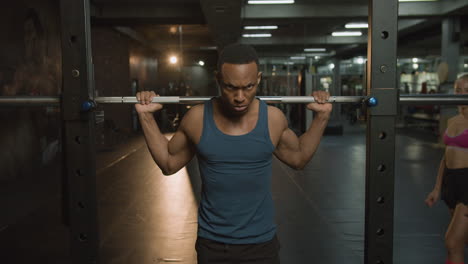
pixel 314 49
pixel 357 25
pixel 260 27
pixel 417 0
pixel 270 2
pixel 256 35
pixel 346 33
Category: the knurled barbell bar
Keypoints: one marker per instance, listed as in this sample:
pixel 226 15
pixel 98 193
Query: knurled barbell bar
pixel 438 99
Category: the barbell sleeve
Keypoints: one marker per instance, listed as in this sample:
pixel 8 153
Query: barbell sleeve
pixel 29 100
pixel 434 99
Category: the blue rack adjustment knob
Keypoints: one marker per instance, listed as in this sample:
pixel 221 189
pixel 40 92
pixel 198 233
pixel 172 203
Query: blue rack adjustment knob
pixel 372 101
pixel 88 105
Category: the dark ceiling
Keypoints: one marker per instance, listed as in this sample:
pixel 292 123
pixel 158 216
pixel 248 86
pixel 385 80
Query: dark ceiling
pixel 197 26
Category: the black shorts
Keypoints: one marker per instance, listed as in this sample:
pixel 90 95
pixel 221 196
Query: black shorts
pixel 455 187
pixel 212 252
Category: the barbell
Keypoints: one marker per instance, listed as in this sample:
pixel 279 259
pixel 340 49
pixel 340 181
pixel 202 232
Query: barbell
pixel 438 99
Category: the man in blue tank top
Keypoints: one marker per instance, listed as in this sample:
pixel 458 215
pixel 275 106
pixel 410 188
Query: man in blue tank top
pixel 234 137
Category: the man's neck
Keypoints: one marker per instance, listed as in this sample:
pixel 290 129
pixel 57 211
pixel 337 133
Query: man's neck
pixel 233 117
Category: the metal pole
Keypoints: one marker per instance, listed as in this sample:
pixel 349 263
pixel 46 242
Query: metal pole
pixel 200 99
pixel 380 135
pixel 29 100
pixel 79 162
pixel 433 99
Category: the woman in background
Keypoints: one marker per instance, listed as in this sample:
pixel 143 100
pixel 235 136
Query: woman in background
pixel 452 179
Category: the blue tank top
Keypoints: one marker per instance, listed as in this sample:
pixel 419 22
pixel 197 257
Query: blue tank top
pixel 236 204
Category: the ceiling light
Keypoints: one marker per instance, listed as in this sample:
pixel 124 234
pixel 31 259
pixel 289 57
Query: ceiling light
pixel 346 33
pixel 417 0
pixel 208 48
pixel 173 59
pixel 270 2
pixel 360 60
pixel 415 66
pixel 260 27
pixel 173 30
pixel 357 25
pixel 256 35
pixel 317 57
pixel 331 66
pixel 201 63
pixel 414 60
pixel 298 58
pixel 314 49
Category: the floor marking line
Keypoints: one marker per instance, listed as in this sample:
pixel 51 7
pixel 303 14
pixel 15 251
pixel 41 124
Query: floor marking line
pixel 99 171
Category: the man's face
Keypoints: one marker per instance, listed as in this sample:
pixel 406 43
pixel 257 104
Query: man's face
pixel 238 83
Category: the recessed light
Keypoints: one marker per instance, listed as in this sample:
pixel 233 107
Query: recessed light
pixel 315 49
pixel 270 2
pixel 417 0
pixel 256 35
pixel 346 33
pixel 360 60
pixel 173 59
pixel 357 25
pixel 260 27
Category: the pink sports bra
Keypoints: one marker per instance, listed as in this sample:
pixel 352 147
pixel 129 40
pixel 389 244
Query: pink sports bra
pixel 457 141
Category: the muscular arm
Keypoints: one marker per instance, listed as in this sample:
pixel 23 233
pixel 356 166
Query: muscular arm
pixel 297 152
pixel 170 155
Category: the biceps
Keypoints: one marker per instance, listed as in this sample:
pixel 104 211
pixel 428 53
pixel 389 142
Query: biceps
pixel 180 148
pixel 288 143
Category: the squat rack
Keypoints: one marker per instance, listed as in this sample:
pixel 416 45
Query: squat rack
pixel 380 135
pixel 79 130
pixel 78 100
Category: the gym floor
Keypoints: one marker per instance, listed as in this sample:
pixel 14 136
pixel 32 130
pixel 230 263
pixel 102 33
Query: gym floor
pixel 146 217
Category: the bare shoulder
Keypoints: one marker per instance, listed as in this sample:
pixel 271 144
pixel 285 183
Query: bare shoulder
pixel 192 117
pixel 456 120
pixel 456 125
pixel 192 123
pixel 276 117
pixel 453 118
